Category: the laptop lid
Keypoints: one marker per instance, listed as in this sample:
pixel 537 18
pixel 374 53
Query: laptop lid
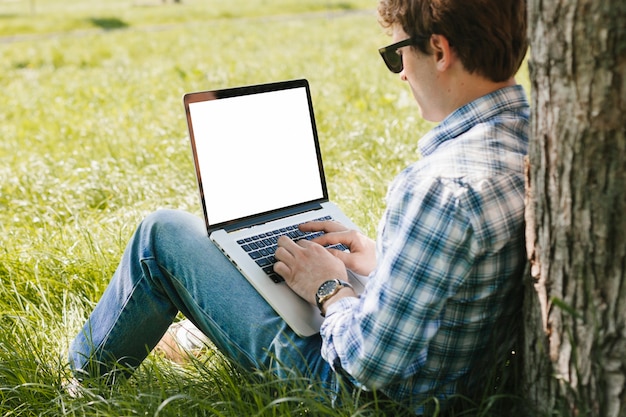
pixel 256 153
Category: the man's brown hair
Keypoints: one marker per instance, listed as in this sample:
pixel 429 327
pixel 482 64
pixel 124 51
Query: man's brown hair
pixel 489 36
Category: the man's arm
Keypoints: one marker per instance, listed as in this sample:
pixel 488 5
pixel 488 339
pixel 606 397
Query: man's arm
pixel 426 253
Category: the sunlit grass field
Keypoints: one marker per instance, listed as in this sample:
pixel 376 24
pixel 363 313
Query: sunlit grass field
pixel 93 138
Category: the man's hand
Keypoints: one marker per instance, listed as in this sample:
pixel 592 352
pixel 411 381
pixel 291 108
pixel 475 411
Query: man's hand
pixel 305 265
pixel 362 256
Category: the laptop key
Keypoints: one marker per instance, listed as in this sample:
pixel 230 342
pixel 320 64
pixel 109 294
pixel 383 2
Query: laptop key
pixel 269 270
pixel 263 262
pixel 276 278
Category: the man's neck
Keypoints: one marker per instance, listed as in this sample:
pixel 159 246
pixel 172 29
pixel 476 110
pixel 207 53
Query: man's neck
pixel 469 87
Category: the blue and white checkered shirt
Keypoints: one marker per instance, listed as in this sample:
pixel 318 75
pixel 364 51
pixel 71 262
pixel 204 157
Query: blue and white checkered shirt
pixel 450 249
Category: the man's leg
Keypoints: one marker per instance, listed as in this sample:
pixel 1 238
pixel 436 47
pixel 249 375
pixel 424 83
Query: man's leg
pixel 170 265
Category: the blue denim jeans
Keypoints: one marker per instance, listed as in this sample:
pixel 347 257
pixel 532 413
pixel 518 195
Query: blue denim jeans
pixel 170 265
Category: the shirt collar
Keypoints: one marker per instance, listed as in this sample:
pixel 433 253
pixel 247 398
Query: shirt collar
pixel 469 115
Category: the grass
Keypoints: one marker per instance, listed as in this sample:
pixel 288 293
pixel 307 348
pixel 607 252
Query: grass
pixel 93 138
pixel 36 17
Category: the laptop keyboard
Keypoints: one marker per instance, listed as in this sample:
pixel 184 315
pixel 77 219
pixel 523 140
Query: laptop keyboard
pixel 262 247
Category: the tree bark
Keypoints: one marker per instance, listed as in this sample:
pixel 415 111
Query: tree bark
pixel 575 308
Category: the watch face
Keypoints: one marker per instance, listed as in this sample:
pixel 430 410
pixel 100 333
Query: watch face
pixel 326 288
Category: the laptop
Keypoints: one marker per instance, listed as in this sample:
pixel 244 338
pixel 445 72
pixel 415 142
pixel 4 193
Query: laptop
pixel 259 171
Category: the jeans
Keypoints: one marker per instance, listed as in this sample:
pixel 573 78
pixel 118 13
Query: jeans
pixel 170 265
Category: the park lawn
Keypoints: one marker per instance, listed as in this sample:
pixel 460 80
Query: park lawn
pixel 93 138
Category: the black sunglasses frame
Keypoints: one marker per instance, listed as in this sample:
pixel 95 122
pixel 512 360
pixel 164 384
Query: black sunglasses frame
pixel 392 58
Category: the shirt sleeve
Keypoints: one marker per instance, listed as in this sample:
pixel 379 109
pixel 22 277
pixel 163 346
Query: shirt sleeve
pixel 425 249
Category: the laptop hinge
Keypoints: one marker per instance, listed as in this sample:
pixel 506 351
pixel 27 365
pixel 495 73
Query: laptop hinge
pixel 259 220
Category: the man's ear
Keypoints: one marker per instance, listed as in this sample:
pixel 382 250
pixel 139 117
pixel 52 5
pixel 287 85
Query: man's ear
pixel 442 52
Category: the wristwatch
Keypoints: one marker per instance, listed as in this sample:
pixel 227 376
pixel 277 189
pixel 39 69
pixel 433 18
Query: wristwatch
pixel 327 290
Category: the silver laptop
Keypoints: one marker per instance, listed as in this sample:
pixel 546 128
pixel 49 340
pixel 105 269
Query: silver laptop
pixel 259 170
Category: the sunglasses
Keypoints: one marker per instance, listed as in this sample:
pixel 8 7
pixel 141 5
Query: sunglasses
pixel 391 56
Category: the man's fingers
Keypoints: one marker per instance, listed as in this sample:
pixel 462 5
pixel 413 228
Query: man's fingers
pixel 284 257
pixel 285 250
pixel 339 254
pixel 286 243
pixel 282 269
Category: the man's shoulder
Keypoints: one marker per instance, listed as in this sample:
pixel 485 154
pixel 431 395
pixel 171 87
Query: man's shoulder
pixel 490 203
pixel 503 114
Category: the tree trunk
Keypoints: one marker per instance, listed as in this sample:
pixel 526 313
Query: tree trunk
pixel 575 310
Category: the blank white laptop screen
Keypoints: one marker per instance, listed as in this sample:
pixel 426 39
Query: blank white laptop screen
pixel 256 153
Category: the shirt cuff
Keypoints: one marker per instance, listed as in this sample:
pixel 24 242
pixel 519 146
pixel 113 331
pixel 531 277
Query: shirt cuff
pixel 344 304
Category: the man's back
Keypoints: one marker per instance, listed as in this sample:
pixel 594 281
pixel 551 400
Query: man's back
pixel 450 250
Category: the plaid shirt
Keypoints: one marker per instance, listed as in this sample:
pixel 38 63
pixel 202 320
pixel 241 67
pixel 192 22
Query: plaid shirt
pixel 450 249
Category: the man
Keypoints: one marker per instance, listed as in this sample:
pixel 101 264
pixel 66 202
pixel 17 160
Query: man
pixel 448 257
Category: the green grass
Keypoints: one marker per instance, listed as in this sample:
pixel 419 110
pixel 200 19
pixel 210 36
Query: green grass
pixel 21 17
pixel 93 138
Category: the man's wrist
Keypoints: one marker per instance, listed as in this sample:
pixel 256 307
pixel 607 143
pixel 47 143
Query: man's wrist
pixel 329 290
pixel 345 292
